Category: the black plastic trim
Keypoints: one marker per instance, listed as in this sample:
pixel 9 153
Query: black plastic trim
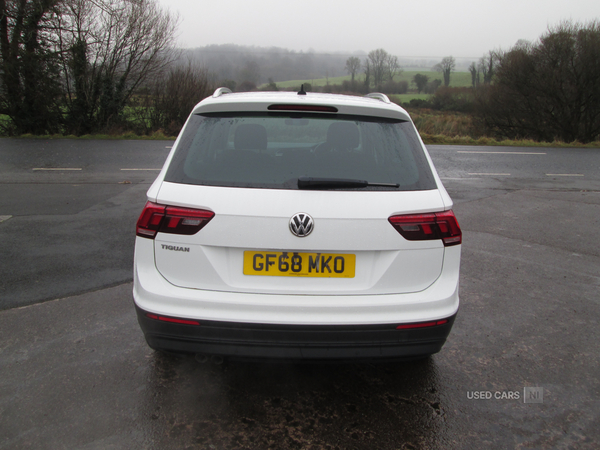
pixel 295 342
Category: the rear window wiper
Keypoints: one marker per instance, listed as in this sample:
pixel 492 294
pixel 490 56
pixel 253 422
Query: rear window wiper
pixel 338 183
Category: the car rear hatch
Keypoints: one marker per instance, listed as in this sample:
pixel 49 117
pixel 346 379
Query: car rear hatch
pixel 251 222
pixel 257 170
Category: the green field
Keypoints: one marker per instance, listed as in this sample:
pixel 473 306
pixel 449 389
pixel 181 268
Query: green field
pixel 406 98
pixel 457 79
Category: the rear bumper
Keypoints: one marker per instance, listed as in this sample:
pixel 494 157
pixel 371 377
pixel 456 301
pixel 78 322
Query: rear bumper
pixel 304 342
pixel 152 293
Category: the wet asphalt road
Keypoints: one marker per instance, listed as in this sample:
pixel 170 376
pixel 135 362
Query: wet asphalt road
pixel 75 372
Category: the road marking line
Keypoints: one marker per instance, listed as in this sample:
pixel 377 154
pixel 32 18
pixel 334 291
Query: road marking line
pixel 169 147
pixel 140 169
pixel 56 168
pixel 493 174
pixel 501 153
pixel 3 218
pixel 564 175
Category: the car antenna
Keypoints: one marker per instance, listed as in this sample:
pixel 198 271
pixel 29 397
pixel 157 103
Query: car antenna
pixel 302 91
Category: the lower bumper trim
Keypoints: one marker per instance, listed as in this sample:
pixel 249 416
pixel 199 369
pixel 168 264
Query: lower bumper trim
pixel 294 342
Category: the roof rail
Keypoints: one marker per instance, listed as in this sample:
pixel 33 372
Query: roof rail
pixel 220 91
pixel 379 96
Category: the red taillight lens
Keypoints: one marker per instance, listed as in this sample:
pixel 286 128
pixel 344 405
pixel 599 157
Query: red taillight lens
pixel 307 108
pixel 408 326
pixel 150 220
pixel 185 220
pixel 171 219
pixel 422 227
pixel 172 319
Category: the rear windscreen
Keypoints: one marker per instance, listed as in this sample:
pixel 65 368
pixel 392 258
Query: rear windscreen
pixel 274 150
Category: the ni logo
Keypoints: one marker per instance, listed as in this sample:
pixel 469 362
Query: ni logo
pixel 533 395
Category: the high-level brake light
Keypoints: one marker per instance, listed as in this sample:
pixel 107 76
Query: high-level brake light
pixel 171 219
pixel 423 227
pixel 306 108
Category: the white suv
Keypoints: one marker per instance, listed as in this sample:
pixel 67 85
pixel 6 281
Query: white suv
pixel 297 226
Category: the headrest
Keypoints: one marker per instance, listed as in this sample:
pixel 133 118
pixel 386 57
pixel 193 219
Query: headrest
pixel 343 135
pixel 250 137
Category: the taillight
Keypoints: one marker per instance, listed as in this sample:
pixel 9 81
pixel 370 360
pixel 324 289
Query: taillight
pixel 423 227
pixel 171 219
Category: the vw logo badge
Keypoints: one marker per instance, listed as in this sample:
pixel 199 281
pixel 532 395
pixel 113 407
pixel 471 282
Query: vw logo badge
pixel 301 224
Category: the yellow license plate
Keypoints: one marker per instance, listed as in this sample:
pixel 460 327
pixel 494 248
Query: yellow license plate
pixel 297 264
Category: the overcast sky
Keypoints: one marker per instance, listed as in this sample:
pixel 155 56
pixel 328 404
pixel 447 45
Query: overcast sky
pixel 432 28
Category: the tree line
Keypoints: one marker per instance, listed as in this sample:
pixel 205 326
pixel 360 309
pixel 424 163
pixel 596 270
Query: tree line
pixel 88 66
pixel 547 90
pixel 379 68
pixel 77 66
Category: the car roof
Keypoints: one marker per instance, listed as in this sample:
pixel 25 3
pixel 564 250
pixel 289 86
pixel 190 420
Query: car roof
pixel 375 105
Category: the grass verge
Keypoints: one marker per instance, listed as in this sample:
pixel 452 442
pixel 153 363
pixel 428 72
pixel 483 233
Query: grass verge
pixel 158 136
pixel 433 139
pixel 440 139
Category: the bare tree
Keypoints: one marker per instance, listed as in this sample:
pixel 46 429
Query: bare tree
pixel 378 61
pixel 548 90
pixel 29 80
pixel 381 67
pixel 522 44
pixel 392 67
pixel 353 65
pixel 169 98
pixel 487 65
pixel 109 48
pixel 367 70
pixel 474 74
pixel 446 67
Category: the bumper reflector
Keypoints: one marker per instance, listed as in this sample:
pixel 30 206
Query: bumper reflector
pixel 172 319
pixel 407 326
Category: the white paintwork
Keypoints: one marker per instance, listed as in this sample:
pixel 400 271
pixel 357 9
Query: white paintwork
pixel 153 293
pixel 260 101
pixel 258 219
pixel 397 281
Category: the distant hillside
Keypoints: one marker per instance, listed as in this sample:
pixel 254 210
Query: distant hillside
pixel 257 65
pixel 457 79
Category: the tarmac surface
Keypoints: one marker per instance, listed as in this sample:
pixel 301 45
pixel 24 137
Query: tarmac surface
pixel 519 370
